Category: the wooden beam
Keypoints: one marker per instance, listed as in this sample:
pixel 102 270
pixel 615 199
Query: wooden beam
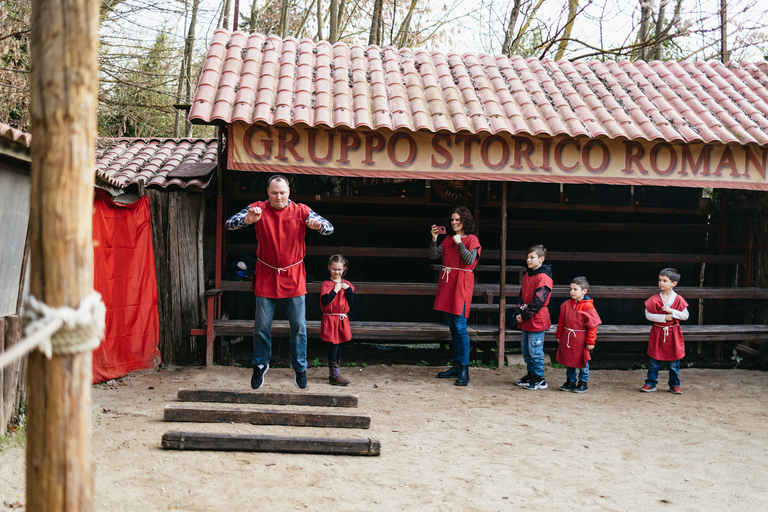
pixel 177 440
pixel 213 413
pixel 250 397
pixel 502 279
pixel 64 85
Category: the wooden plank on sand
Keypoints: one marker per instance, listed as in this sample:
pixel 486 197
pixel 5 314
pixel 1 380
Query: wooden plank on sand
pixel 221 413
pixel 255 397
pixel 178 440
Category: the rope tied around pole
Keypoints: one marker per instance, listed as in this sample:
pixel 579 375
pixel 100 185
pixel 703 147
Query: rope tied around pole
pixel 60 331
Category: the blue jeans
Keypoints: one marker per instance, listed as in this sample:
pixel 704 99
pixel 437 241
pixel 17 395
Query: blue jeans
pixel 459 337
pixel 570 373
pixel 532 344
pixel 262 330
pixel 653 372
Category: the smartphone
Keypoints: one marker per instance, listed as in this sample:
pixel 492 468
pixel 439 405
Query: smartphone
pixel 440 230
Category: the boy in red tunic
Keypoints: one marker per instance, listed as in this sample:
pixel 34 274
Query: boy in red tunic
pixel 576 335
pixel 336 297
pixel 532 316
pixel 666 344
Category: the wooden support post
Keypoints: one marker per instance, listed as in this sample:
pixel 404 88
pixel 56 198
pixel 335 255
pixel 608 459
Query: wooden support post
pixel 216 413
pixel 64 85
pixel 250 397
pixel 263 443
pixel 503 277
pixel 9 329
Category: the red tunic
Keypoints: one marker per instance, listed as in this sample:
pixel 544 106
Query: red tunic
pixel 576 329
pixel 280 235
pixel 455 286
pixel 540 321
pixel 666 340
pixel 334 328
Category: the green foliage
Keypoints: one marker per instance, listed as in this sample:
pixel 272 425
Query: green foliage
pixel 316 362
pixel 422 363
pixel 556 365
pixel 479 364
pixel 14 63
pixel 364 365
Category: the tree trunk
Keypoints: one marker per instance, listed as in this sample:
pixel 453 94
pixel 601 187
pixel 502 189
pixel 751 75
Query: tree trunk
pixel 64 87
pixel 402 33
pixel 506 46
pixel 573 6
pixel 333 35
pixel 319 20
pixel 189 48
pixel 374 37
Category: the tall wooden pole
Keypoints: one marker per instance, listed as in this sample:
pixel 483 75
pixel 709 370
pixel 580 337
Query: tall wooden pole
pixel 503 277
pixel 64 84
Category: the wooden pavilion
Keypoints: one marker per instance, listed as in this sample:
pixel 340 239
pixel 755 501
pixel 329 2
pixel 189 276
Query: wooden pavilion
pixel 619 168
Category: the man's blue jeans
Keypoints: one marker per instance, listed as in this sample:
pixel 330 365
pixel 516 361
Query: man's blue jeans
pixel 262 330
pixel 459 337
pixel 570 373
pixel 532 344
pixel 653 372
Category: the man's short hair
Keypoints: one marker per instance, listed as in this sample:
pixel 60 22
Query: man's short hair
pixel 278 177
pixel 672 273
pixel 539 249
pixel 581 281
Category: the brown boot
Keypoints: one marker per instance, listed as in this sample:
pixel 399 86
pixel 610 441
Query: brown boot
pixel 334 375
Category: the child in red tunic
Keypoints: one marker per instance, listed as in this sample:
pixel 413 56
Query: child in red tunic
pixel 336 297
pixel 576 334
pixel 666 344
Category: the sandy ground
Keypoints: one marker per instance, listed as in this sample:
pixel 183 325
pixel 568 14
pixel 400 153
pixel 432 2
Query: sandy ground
pixel 490 446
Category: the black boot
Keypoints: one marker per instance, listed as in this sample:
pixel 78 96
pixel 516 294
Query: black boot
pixel 453 372
pixel 463 379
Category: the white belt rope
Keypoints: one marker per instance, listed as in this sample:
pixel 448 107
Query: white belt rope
pixel 62 330
pixel 447 271
pixel 666 330
pixel 342 315
pixel 280 269
pixel 571 331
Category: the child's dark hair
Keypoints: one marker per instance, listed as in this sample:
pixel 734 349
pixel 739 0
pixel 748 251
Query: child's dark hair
pixel 672 273
pixel 539 249
pixel 338 258
pixel 581 281
pixel 465 216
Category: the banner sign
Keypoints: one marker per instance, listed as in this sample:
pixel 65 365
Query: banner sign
pixel 483 156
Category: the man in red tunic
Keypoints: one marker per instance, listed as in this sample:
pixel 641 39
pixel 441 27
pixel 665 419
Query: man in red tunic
pixel 280 277
pixel 666 344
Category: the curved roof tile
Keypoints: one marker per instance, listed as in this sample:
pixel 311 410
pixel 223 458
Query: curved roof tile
pixel 267 79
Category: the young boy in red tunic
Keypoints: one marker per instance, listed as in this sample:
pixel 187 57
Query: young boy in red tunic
pixel 576 334
pixel 336 297
pixel 532 316
pixel 666 344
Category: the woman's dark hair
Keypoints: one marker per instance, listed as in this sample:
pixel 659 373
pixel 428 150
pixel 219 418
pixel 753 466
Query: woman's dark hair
pixel 338 258
pixel 466 219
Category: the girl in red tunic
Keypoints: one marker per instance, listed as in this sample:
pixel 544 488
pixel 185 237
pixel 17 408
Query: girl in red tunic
pixel 666 344
pixel 459 253
pixel 336 297
pixel 576 334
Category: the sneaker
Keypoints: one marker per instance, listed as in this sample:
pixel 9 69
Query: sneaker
pixel 301 379
pixel 568 386
pixel 525 380
pixel 536 382
pixel 581 387
pixel 675 390
pixel 257 380
pixel 648 388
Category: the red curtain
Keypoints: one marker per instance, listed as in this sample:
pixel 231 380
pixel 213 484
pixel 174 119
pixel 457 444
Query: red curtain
pixel 124 275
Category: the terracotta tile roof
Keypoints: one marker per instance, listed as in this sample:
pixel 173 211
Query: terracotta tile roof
pixel 9 132
pixel 123 162
pixel 266 79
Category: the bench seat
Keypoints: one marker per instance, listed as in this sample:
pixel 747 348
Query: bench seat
pixel 420 332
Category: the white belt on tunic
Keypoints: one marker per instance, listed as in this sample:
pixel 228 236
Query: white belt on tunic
pixel 341 315
pixel 666 330
pixel 280 269
pixel 447 270
pixel 570 332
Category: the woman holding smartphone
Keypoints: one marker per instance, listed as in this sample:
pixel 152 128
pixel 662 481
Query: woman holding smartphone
pixel 459 254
